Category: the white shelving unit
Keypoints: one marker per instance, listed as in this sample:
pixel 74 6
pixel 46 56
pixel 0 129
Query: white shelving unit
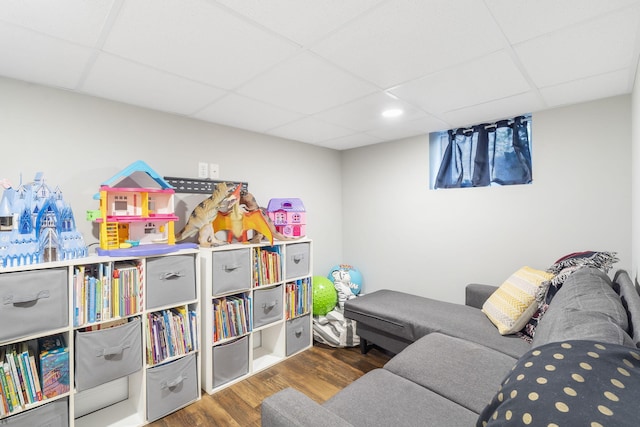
pixel 277 308
pixel 120 384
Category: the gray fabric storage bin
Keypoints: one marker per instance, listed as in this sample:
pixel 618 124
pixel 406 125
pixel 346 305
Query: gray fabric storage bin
pixel 267 306
pixel 170 279
pixel 53 414
pixel 298 334
pixel 33 301
pixel 231 271
pixel 297 260
pixel 108 354
pixel 230 361
pixel 171 386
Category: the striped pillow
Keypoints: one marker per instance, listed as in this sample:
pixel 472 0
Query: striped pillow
pixel 511 306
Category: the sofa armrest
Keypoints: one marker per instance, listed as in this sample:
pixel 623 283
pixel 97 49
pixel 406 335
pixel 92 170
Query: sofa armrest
pixel 289 408
pixel 476 294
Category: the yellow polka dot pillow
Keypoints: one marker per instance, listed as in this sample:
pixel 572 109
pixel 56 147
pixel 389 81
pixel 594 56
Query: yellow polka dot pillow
pixel 569 383
pixel 511 306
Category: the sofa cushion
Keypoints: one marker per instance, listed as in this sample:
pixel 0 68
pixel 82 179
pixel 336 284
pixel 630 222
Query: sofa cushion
pixel 412 317
pixel 381 398
pixel 562 269
pixel 511 306
pixel 630 299
pixel 462 371
pixel 571 383
pixel 585 307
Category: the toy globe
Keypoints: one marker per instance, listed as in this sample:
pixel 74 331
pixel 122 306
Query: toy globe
pixel 354 280
pixel 325 296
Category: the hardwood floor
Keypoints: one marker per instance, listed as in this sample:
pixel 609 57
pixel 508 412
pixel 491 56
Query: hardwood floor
pixel 319 372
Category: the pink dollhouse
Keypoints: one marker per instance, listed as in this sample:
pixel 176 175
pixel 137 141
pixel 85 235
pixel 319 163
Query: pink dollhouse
pixel 288 216
pixel 136 212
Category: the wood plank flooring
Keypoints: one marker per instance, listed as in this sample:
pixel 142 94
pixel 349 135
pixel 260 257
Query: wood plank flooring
pixel 319 372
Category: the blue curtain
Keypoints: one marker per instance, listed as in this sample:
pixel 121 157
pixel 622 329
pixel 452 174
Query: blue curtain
pixel 484 154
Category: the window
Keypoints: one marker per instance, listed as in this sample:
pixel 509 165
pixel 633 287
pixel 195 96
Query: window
pixel 482 155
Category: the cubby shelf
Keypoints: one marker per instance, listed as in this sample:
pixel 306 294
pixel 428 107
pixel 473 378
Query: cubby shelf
pixel 265 275
pixel 81 301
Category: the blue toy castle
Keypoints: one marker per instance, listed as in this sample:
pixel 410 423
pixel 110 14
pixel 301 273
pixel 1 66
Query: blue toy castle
pixel 37 225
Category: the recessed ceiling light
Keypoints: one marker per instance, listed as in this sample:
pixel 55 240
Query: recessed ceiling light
pixel 392 112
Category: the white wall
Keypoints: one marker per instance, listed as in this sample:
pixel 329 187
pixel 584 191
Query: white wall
pixel 80 142
pixel 635 174
pixel 404 236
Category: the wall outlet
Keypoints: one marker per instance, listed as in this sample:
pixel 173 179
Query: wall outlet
pixel 214 171
pixel 203 170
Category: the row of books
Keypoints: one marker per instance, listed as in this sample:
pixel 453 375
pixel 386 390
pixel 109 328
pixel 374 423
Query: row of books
pixel 298 297
pixel 171 333
pixel 232 316
pixel 106 291
pixel 26 379
pixel 267 267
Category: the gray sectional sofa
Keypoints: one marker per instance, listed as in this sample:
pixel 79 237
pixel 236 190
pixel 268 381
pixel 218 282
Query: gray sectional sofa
pixel 453 368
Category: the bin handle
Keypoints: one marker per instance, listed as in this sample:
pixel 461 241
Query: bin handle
pixel 172 275
pixel 298 332
pixel 228 268
pixel 173 383
pixel 18 299
pixel 270 305
pixel 298 258
pixel 111 351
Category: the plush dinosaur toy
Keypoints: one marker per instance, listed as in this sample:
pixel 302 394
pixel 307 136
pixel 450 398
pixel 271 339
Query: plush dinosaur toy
pixel 201 219
pixel 238 221
pixel 251 206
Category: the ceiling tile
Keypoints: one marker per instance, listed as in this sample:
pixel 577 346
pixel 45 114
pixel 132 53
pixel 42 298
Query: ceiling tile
pixel 350 141
pixel 596 47
pixel 245 113
pixel 301 21
pixel 588 89
pixel 366 113
pixel 78 21
pixel 146 87
pixel 310 130
pixel 306 84
pixel 411 128
pixel 491 77
pixel 402 40
pixel 33 57
pixel 195 39
pixel 494 110
pixel 524 19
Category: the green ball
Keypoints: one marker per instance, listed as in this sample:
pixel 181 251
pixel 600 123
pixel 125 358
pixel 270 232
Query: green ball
pixel 325 296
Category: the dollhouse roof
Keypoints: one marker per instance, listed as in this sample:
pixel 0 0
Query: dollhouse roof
pixel 137 175
pixel 287 205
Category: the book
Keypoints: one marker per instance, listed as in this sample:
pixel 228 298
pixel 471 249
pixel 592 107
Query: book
pixel 15 375
pixel 54 366
pixel 36 376
pixel 11 388
pixel 6 392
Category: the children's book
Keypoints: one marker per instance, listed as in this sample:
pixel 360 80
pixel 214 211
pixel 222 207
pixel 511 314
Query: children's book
pixel 54 366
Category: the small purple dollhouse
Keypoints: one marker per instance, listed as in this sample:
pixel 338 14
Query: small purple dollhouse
pixel 288 216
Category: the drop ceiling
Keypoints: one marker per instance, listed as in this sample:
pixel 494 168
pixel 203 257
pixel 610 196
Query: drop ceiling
pixel 322 71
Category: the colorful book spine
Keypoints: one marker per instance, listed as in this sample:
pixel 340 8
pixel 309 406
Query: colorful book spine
pixel 36 376
pixel 6 392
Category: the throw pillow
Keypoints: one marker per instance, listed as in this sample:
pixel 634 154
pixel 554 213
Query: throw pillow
pixel 569 383
pixel 511 306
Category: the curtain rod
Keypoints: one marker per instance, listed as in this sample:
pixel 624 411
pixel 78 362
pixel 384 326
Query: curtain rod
pixel 495 125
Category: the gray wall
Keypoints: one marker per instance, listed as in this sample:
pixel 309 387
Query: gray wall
pixel 635 172
pixel 432 242
pixel 370 206
pixel 80 142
